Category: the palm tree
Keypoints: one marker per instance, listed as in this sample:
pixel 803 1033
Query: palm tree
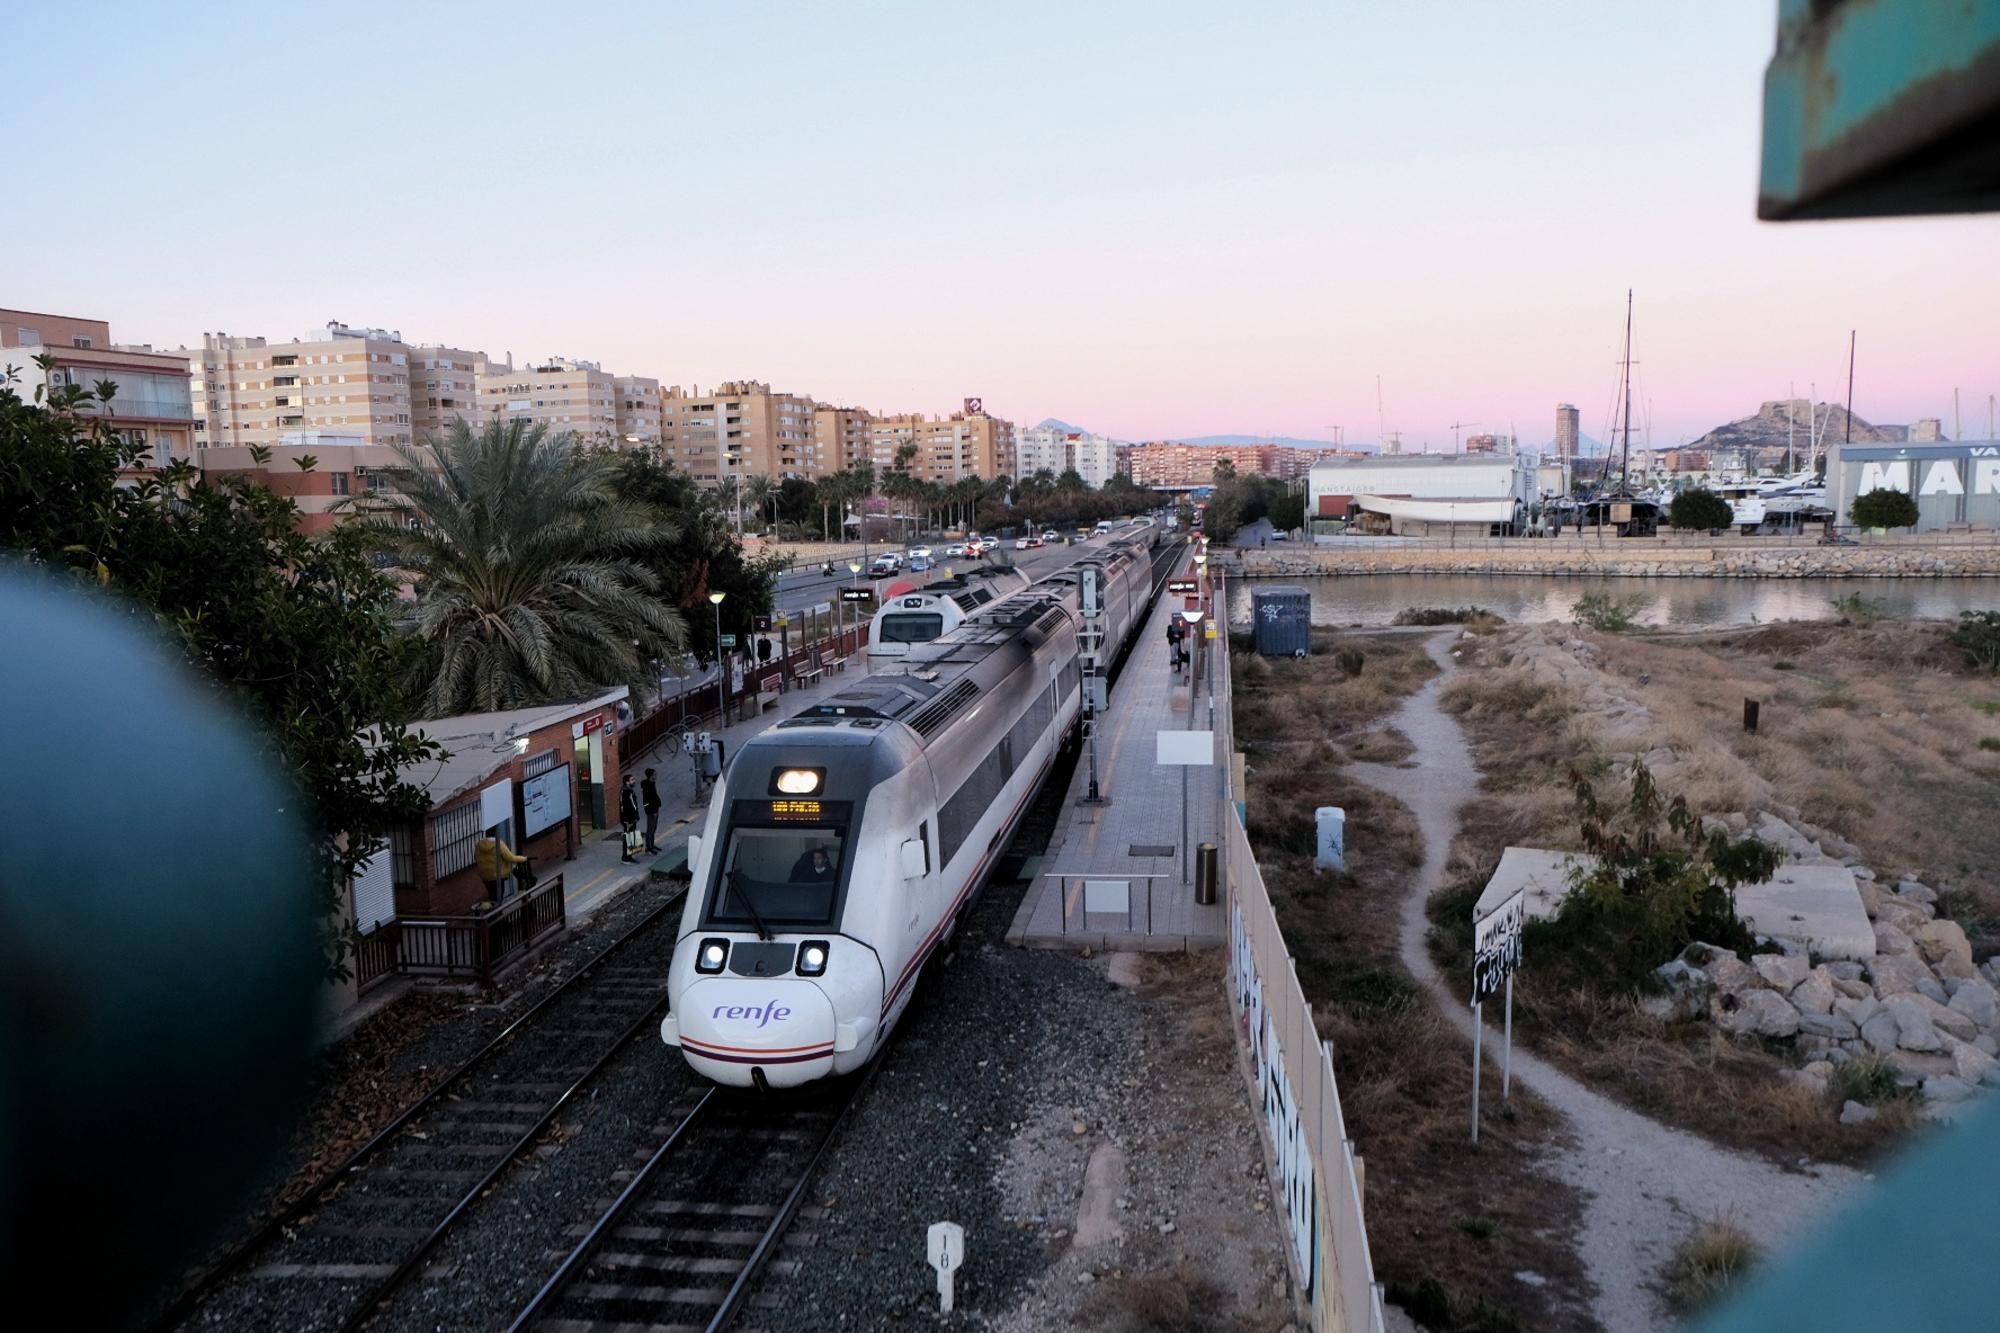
pixel 758 492
pixel 729 494
pixel 530 581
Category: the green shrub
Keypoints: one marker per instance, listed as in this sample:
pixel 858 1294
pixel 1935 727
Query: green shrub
pixel 1782 665
pixel 1607 612
pixel 1442 615
pixel 1869 1079
pixel 1978 637
pixel 1699 510
pixel 1861 610
pixel 1884 509
pixel 1708 1263
pixel 1658 885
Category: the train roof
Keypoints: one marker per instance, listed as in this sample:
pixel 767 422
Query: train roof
pixel 941 679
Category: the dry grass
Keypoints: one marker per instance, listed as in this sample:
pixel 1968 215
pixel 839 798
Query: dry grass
pixel 1178 1301
pixel 1893 765
pixel 1449 1224
pixel 1708 1264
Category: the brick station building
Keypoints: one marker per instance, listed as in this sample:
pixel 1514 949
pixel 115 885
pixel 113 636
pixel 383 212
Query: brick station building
pixel 543 778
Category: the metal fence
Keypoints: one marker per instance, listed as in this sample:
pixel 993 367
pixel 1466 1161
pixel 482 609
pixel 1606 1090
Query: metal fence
pixel 1319 1178
pixel 1606 538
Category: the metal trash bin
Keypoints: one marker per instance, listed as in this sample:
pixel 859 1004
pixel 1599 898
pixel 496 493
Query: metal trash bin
pixel 1281 621
pixel 1204 874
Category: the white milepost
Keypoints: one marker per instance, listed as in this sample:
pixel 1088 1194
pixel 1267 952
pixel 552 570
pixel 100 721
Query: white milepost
pixel 947 1253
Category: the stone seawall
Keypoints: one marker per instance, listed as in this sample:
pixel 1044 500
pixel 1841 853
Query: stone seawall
pixel 1722 562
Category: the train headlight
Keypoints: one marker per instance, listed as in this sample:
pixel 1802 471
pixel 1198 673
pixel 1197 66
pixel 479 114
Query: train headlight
pixel 711 955
pixel 812 958
pixel 797 781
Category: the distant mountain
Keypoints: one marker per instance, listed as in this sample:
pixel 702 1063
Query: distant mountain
pixel 1057 423
pixel 1774 421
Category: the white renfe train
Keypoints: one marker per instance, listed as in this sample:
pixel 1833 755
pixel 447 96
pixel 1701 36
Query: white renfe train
pixel 936 609
pixel 845 843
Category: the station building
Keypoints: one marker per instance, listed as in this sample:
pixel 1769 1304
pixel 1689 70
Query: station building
pixel 1956 483
pixel 543 779
pixel 1426 495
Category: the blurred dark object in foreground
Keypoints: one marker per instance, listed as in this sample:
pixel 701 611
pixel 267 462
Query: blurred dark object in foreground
pixel 158 969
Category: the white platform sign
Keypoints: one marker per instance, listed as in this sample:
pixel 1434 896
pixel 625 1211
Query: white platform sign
pixel 1195 748
pixel 496 803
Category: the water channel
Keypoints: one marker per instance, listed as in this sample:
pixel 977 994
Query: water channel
pixel 1374 599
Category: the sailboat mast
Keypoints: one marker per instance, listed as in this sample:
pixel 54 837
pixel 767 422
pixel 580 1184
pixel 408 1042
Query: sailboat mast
pixel 1625 455
pixel 1847 436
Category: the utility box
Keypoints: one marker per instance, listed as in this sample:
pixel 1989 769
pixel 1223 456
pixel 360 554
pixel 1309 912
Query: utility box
pixel 1330 850
pixel 1281 620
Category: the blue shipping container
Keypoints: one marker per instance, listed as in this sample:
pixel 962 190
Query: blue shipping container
pixel 1282 621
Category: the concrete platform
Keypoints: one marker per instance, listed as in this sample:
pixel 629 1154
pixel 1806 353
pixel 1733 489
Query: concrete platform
pixel 1112 876
pixel 1817 906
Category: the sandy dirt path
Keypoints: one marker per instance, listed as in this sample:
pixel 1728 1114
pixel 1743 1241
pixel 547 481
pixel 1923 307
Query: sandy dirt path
pixel 1646 1185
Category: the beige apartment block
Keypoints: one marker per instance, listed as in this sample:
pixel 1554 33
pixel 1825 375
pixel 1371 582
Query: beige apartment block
pixel 642 422
pixel 579 397
pixel 153 405
pixel 346 480
pixel 336 379
pixel 444 387
pixel 965 444
pixel 841 436
pixel 740 428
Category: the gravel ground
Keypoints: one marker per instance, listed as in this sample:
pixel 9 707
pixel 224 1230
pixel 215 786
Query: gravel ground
pixel 1011 1074
pixel 383 1065
pixel 1648 1186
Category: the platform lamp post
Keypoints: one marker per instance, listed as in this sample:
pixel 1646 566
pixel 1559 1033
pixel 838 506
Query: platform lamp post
pixel 853 568
pixel 721 669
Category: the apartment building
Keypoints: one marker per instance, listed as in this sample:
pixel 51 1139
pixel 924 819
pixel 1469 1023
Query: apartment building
pixel 444 387
pixel 1094 457
pixel 642 421
pixel 343 482
pixel 741 428
pixel 338 379
pixel 1177 466
pixel 964 444
pixel 841 436
pixel 153 405
pixel 577 397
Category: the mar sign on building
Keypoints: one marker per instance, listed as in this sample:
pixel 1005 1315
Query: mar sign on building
pixel 1952 481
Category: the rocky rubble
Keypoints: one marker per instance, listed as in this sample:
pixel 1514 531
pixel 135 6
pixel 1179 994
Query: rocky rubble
pixel 1921 1004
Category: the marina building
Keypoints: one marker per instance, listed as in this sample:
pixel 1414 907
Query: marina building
pixel 1956 483
pixel 1426 495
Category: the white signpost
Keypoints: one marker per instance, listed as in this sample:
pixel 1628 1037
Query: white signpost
pixel 947 1255
pixel 1184 750
pixel 1496 956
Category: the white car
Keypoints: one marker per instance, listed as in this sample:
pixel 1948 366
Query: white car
pixel 887 563
pixel 920 551
pixel 956 548
pixel 1020 543
pixel 1050 535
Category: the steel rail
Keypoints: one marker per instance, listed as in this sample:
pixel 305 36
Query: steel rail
pixel 184 1304
pixel 364 1312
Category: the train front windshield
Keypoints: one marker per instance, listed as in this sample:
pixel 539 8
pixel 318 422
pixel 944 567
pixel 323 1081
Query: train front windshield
pixel 912 627
pixel 783 865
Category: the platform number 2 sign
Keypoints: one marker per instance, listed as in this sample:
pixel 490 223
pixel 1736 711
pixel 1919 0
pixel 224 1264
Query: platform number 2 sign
pixel 947 1253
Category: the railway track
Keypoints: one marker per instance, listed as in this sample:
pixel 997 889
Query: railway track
pixel 682 1245
pixel 365 1227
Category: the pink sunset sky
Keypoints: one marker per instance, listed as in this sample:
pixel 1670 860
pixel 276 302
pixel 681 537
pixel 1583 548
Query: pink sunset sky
pixel 1153 220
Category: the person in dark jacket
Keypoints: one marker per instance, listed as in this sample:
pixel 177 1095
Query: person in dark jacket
pixel 628 816
pixel 649 797
pixel 1176 639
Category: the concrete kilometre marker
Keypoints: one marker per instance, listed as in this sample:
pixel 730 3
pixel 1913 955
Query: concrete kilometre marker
pixel 947 1253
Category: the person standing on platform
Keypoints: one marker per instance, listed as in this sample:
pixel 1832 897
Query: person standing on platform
pixel 1176 636
pixel 628 817
pixel 649 794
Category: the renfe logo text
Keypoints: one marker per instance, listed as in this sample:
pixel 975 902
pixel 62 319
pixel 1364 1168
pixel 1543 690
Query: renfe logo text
pixel 763 1013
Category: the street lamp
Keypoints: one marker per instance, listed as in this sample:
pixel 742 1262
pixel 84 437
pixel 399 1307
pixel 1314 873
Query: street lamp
pixel 721 672
pixel 854 570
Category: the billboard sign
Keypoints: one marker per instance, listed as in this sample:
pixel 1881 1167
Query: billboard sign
pixel 1496 946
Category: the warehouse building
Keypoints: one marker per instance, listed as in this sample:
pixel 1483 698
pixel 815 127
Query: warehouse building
pixel 1956 483
pixel 1426 495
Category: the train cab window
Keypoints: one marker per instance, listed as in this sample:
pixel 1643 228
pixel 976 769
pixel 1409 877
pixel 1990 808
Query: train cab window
pixel 912 627
pixel 784 873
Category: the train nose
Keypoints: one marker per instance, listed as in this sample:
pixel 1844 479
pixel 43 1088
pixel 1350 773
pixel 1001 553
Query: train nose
pixel 731 1026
